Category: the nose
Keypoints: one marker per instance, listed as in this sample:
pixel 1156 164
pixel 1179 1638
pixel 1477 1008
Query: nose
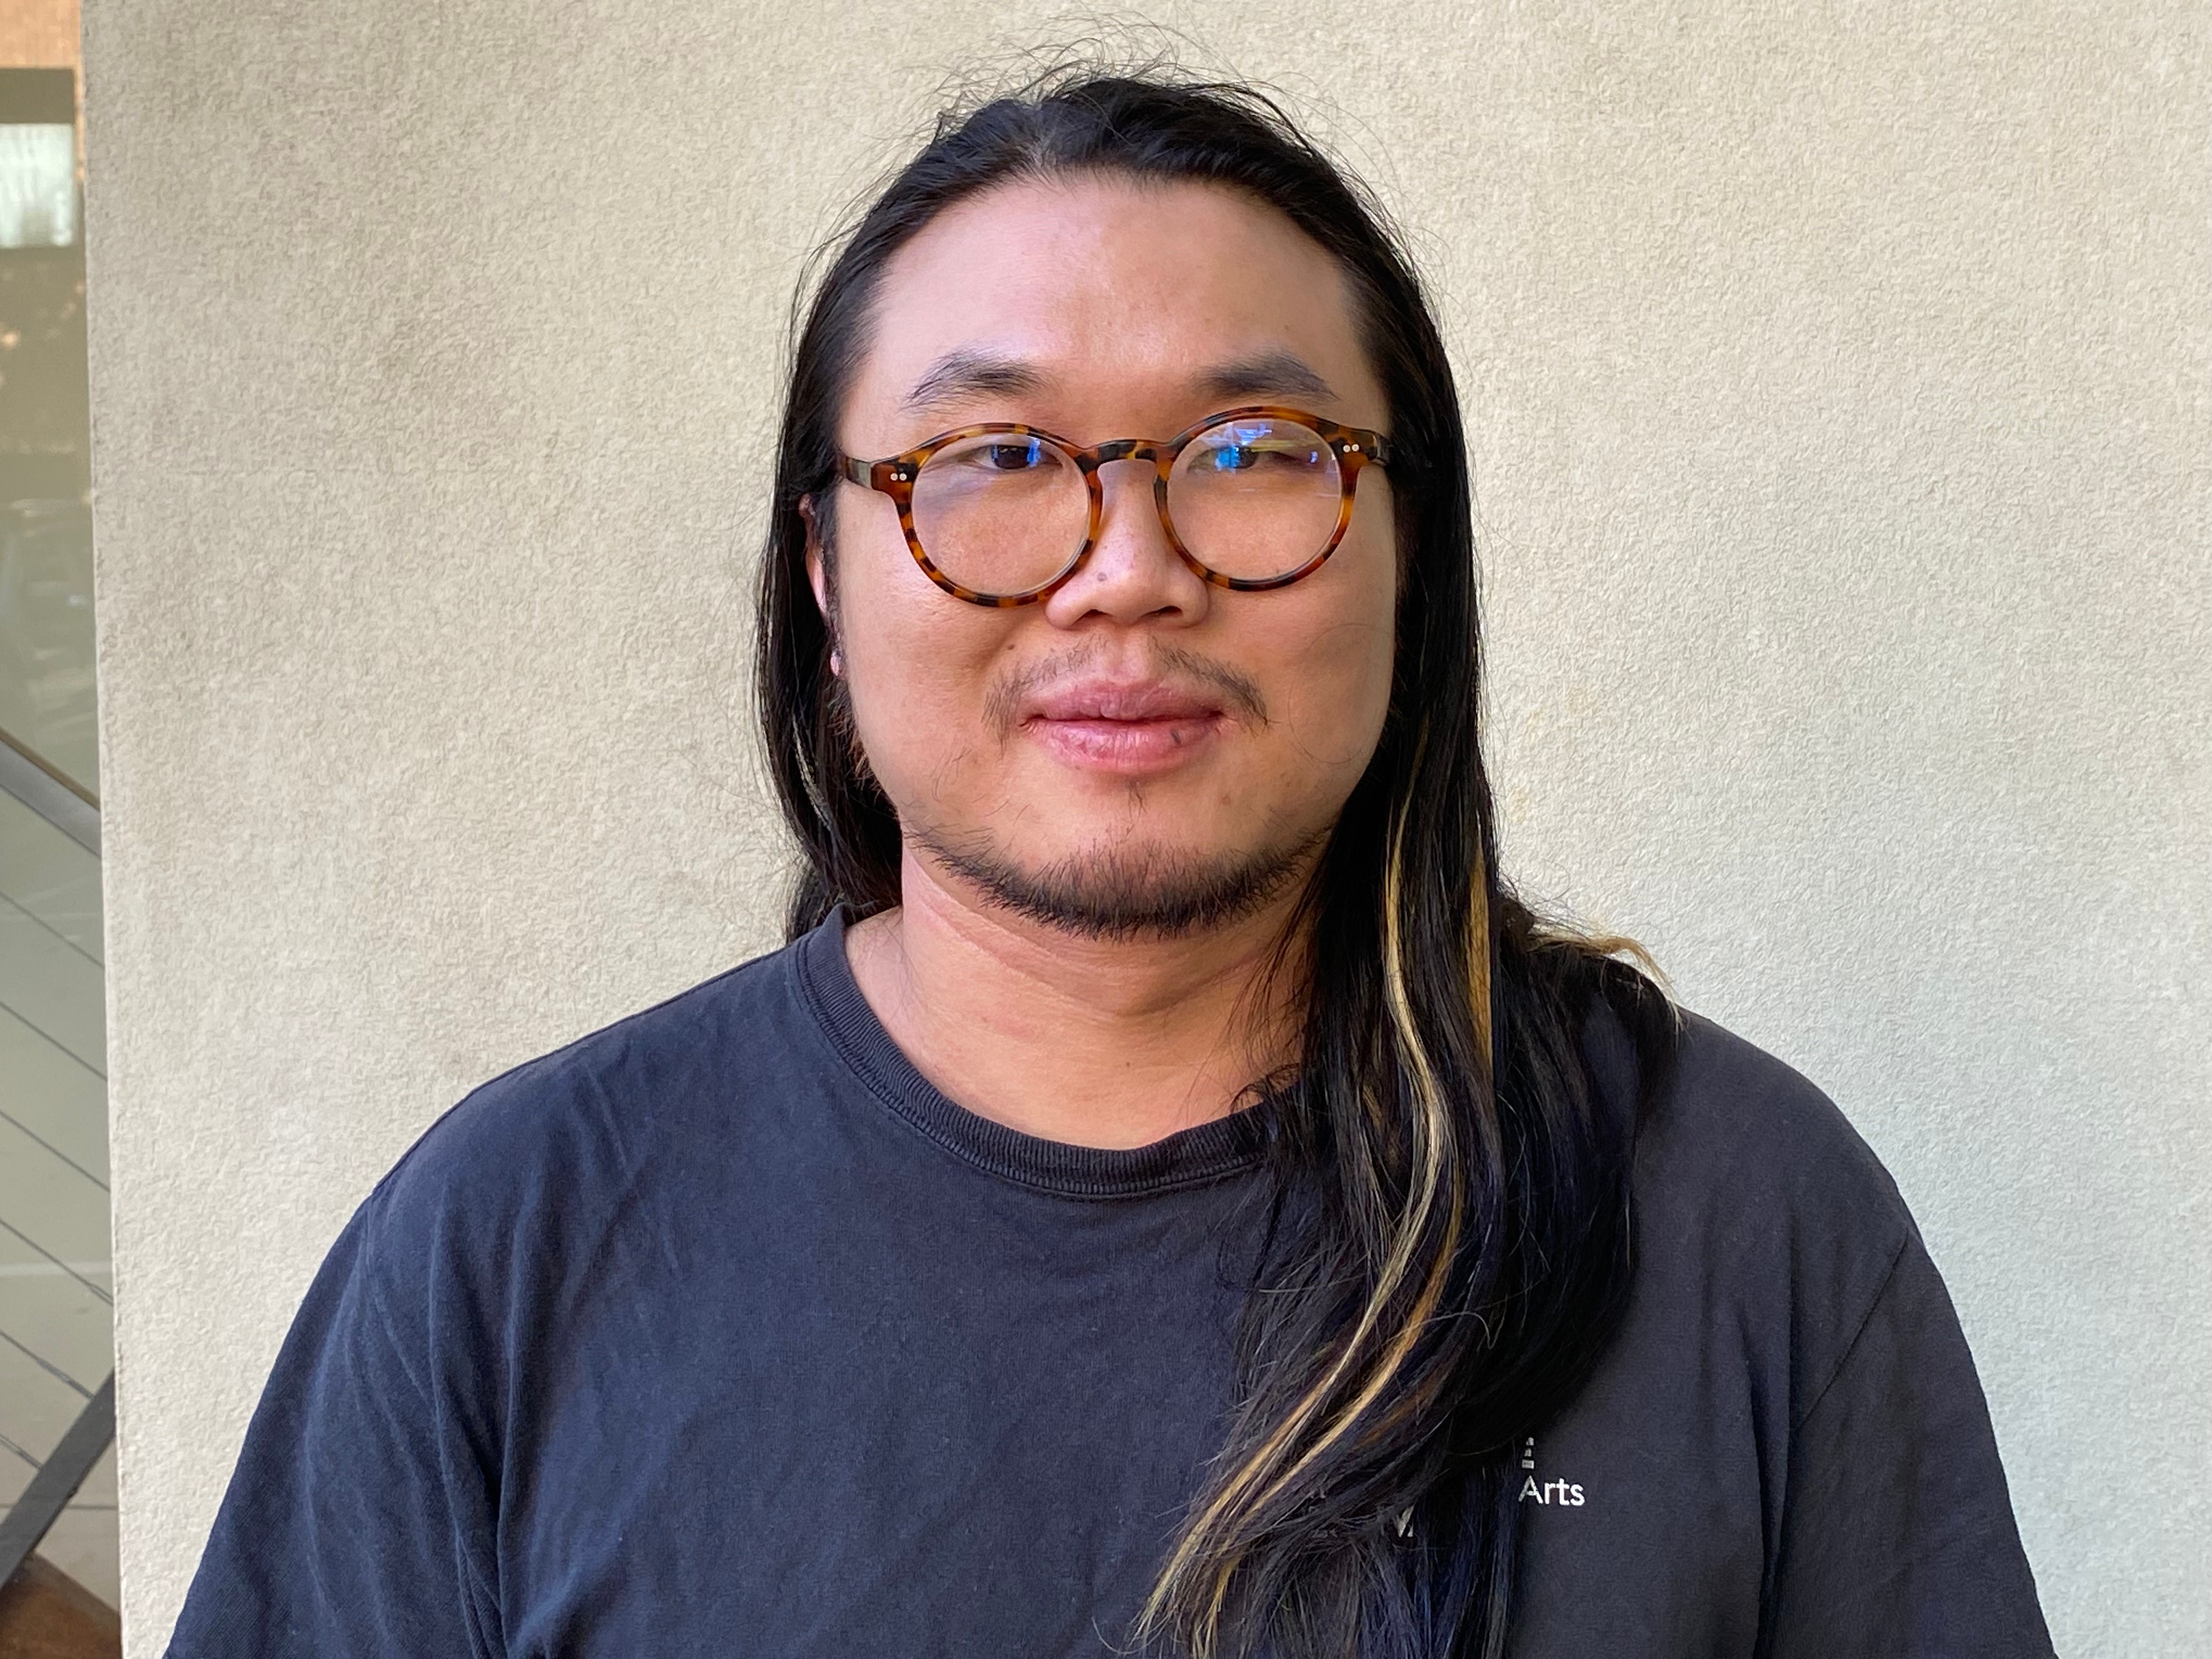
pixel 1132 573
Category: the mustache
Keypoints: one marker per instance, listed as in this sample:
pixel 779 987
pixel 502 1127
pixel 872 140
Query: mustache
pixel 1240 694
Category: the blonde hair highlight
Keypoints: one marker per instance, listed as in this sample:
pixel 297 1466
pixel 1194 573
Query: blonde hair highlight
pixel 1214 1542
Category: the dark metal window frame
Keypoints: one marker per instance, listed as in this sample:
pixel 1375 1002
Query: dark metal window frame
pixel 54 796
pixel 32 1515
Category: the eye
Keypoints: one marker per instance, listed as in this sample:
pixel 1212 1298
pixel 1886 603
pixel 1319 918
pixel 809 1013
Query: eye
pixel 1012 454
pixel 1242 449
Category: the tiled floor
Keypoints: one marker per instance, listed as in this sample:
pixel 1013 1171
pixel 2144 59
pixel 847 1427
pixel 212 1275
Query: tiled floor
pixel 57 1336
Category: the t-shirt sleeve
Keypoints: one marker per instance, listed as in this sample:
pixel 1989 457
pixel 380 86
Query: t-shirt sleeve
pixel 358 1520
pixel 1898 1537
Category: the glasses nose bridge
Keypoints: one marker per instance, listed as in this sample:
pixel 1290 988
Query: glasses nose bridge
pixel 1093 460
pixel 1121 449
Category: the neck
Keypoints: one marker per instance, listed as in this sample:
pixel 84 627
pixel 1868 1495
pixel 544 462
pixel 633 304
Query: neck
pixel 1094 1043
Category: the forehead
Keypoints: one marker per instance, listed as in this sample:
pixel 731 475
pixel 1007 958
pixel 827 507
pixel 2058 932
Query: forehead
pixel 1113 300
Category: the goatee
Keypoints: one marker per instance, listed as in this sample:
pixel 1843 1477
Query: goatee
pixel 1126 892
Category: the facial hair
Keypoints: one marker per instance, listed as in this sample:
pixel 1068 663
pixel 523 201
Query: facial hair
pixel 1132 889
pixel 1129 892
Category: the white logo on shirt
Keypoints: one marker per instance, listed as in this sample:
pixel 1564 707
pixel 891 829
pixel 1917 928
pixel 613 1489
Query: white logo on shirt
pixel 1567 1494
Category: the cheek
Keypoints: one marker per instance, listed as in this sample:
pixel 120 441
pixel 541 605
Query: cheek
pixel 917 664
pixel 1339 635
pixel 1336 690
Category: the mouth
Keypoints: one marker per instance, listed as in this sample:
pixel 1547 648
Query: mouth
pixel 1130 728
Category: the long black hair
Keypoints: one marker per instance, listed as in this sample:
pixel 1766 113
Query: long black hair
pixel 1451 1246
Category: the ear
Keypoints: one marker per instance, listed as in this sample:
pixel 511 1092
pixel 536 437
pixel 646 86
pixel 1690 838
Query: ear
pixel 817 573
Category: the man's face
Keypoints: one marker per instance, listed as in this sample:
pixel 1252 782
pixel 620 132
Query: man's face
pixel 1141 751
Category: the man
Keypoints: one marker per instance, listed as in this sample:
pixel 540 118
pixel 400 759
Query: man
pixel 1169 1195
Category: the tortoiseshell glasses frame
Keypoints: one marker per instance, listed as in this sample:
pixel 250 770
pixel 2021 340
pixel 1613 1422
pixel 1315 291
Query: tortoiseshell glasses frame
pixel 1354 447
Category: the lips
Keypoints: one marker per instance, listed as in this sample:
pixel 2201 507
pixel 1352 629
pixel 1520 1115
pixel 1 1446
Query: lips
pixel 1146 701
pixel 1129 729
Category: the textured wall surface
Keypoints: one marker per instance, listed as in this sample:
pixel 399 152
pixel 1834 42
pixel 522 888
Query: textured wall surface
pixel 1841 392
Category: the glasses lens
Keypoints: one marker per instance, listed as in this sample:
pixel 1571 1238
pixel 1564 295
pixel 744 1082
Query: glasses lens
pixel 1000 514
pixel 1256 498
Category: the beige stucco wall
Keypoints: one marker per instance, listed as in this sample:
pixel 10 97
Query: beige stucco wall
pixel 1841 387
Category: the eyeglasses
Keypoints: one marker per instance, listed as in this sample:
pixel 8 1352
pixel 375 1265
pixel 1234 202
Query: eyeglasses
pixel 1000 514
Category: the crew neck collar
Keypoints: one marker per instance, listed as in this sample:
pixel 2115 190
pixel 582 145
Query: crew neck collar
pixel 1211 1152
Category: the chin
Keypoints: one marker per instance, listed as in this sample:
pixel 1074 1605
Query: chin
pixel 1124 887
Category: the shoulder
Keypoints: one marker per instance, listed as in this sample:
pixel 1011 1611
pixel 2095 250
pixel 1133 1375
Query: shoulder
pixel 1761 1135
pixel 1756 1198
pixel 576 1129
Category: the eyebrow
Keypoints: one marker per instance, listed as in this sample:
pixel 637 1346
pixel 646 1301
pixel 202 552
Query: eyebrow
pixel 1278 373
pixel 964 372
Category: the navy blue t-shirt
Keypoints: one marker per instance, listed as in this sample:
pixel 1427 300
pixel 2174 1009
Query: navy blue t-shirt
pixel 722 1332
